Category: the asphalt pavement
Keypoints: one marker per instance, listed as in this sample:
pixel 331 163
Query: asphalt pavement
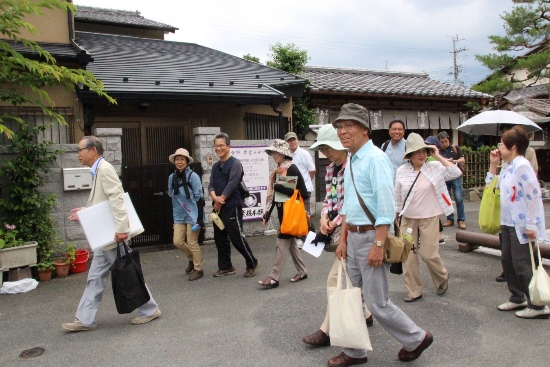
pixel 230 321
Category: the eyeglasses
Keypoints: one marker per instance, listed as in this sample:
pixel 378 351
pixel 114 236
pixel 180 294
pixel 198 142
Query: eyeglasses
pixel 81 149
pixel 499 145
pixel 345 126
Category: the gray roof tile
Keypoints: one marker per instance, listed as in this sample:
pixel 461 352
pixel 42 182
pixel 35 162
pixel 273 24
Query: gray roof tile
pixel 384 82
pixel 527 92
pixel 120 17
pixel 130 65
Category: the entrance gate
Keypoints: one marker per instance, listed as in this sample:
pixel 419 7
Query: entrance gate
pixel 147 186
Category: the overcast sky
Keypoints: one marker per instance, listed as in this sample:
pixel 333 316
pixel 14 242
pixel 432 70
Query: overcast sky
pixel 398 35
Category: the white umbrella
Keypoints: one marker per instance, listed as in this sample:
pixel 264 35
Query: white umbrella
pixel 489 122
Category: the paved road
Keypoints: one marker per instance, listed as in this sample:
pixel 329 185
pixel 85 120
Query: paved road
pixel 231 322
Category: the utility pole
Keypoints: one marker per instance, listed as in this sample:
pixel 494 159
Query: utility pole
pixel 455 52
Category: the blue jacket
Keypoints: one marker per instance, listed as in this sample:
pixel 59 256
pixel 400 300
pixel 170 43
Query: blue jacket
pixel 185 210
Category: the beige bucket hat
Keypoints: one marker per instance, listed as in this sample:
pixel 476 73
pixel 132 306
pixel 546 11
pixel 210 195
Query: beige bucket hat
pixel 415 142
pixel 279 146
pixel 182 152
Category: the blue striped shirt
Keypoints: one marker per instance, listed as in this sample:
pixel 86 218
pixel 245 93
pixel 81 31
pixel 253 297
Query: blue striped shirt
pixel 373 174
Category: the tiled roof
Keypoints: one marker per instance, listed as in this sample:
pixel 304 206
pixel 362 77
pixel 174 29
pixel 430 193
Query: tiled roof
pixel 119 17
pixel 131 67
pixel 384 82
pixel 538 105
pixel 527 92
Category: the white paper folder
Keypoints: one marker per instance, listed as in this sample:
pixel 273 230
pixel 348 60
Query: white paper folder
pixel 98 223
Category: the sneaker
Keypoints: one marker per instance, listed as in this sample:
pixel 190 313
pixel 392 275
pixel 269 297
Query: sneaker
pixel 461 224
pixel 442 241
pixel 144 319
pixel 76 326
pixel 196 274
pixel 530 313
pixel 449 223
pixel 509 306
pixel 299 243
pixel 222 273
pixel 250 272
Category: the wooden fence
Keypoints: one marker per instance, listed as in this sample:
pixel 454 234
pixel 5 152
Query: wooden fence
pixel 477 165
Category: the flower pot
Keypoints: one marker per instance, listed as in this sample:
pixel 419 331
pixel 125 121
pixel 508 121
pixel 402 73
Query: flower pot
pixel 80 263
pixel 45 275
pixel 61 268
pixel 16 257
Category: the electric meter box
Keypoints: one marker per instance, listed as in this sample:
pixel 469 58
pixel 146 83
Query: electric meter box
pixel 77 179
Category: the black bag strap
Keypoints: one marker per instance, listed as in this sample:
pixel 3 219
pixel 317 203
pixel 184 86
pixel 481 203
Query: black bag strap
pixel 364 206
pixel 385 145
pixel 127 252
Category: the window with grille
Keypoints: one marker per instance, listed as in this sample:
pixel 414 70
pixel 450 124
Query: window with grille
pixel 259 127
pixel 56 133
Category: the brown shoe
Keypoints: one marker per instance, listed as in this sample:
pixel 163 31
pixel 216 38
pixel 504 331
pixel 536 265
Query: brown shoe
pixel 298 277
pixel 461 224
pixel 449 223
pixel 343 360
pixel 268 282
pixel 189 268
pixel 317 339
pixel 407 356
pixel 196 274
pixel 370 321
pixel 222 273
pixel 250 272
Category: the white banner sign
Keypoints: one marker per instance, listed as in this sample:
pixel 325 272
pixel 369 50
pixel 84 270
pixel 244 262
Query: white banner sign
pixel 255 163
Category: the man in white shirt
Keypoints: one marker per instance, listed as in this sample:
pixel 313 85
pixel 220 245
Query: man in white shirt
pixel 302 159
pixel 395 147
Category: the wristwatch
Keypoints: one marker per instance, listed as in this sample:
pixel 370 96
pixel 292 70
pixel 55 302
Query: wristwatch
pixel 378 243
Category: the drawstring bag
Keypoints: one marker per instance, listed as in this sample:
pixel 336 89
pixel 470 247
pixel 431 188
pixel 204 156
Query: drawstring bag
pixel 489 209
pixel 294 216
pixel 539 287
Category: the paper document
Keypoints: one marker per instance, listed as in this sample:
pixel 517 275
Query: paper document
pixel 310 247
pixel 286 181
pixel 98 223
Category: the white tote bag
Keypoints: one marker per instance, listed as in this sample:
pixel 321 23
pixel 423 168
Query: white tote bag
pixel 539 287
pixel 347 326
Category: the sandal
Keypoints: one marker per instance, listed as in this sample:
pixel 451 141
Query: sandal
pixel 269 282
pixel 298 277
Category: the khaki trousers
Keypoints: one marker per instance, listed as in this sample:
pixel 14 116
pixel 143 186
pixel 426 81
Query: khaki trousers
pixel 283 246
pixel 187 241
pixel 427 229
pixel 331 282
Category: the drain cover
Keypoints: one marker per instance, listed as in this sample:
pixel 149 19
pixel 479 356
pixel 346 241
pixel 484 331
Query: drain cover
pixel 31 353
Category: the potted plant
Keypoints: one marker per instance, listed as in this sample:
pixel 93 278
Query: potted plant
pixel 45 269
pixel 62 265
pixel 14 252
pixel 21 201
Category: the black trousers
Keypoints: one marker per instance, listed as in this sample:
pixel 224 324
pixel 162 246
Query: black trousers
pixel 232 218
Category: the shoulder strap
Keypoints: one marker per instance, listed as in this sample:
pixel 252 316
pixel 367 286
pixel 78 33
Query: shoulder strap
pixel 385 145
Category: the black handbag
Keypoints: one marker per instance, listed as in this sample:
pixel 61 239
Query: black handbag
pixel 129 287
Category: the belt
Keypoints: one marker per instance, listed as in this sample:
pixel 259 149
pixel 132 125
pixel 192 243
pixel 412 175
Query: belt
pixel 360 229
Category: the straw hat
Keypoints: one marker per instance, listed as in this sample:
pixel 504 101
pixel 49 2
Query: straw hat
pixel 328 136
pixel 414 143
pixel 279 146
pixel 182 152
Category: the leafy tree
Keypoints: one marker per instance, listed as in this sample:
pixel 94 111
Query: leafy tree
pixel 527 29
pixel 291 59
pixel 22 79
pixel 249 57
